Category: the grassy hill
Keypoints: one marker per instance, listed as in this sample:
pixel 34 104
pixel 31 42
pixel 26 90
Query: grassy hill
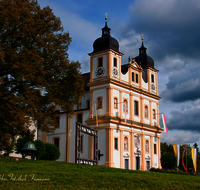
pixel 28 174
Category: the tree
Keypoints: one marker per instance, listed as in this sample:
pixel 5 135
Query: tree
pixel 35 71
pixel 168 160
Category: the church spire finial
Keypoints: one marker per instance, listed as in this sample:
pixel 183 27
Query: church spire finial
pixel 142 38
pixel 106 16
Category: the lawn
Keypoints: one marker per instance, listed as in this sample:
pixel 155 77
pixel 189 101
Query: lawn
pixel 36 174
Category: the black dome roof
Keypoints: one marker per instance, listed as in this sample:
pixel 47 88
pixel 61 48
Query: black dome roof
pixel 143 59
pixel 105 41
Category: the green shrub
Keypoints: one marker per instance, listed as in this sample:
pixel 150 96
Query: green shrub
pixel 51 152
pixel 39 145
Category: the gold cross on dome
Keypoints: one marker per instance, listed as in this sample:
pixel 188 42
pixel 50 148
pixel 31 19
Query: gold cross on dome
pixel 142 37
pixel 106 15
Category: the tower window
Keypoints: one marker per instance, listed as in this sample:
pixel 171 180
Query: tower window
pixel 146 111
pixel 136 107
pixel 154 114
pixel 133 76
pixel 136 78
pixel 152 78
pixel 115 62
pixel 99 103
pixel 100 62
pixel 115 103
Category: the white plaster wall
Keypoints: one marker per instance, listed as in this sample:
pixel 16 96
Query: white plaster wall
pixel 116 153
pixel 116 112
pixel 98 93
pixel 125 77
pixel 102 145
pixel 62 123
pixel 62 144
pixel 104 65
pixel 125 95
pixel 137 118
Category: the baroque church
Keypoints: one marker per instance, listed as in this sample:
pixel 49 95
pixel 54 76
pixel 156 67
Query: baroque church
pixel 121 103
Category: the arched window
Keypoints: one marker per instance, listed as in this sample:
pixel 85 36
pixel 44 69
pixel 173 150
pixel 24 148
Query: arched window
pixel 152 78
pixel 146 111
pixel 136 112
pixel 126 143
pixel 115 62
pixel 99 102
pixel 154 114
pixel 125 104
pixel 100 62
pixel 136 78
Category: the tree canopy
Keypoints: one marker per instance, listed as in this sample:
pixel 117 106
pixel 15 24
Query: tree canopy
pixel 35 71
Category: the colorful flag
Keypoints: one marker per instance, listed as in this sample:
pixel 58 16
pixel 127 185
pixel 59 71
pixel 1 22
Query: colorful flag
pixel 96 115
pixel 164 123
pixel 183 160
pixel 194 156
pixel 176 148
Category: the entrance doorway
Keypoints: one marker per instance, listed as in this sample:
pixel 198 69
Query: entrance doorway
pixel 148 165
pixel 137 163
pixel 126 164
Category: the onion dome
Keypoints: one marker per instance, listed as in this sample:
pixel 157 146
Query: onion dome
pixel 143 59
pixel 105 41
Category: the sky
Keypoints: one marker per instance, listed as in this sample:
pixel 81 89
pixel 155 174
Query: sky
pixel 171 32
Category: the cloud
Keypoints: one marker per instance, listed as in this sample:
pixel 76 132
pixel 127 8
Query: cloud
pixel 188 120
pixel 180 137
pixel 183 84
pixel 169 27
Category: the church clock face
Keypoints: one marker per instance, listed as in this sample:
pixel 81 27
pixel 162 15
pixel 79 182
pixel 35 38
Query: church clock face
pixel 153 86
pixel 100 71
pixel 115 72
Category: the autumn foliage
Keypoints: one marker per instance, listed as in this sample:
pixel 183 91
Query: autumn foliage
pixel 35 71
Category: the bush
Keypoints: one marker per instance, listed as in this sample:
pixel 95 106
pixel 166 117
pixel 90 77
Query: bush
pixel 39 145
pixel 168 160
pixel 19 145
pixel 51 152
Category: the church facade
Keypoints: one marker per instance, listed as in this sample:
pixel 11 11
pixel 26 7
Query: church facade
pixel 122 103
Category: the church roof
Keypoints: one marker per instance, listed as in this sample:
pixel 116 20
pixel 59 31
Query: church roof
pixel 105 41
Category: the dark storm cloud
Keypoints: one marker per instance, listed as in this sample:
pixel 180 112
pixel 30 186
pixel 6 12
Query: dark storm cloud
pixel 188 120
pixel 169 27
pixel 183 85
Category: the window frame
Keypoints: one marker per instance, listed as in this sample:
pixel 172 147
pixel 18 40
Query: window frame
pixel 137 107
pixel 115 62
pixel 115 104
pixel 100 97
pixel 53 140
pixel 100 58
pixel 155 148
pixel 125 99
pixel 146 106
pixel 154 113
pixel 116 148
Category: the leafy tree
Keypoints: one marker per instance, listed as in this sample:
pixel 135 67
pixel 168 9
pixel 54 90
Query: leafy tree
pixel 51 152
pixel 168 160
pixel 166 148
pixel 39 145
pixel 35 71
